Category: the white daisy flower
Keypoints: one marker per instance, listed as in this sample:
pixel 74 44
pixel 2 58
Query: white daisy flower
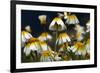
pixel 42 19
pixel 32 45
pixel 36 45
pixel 79 48
pixel 28 28
pixel 65 15
pixel 57 24
pixel 44 46
pixel 62 38
pixel 45 36
pixel 47 56
pixel 72 19
pixel 25 37
pixel 80 32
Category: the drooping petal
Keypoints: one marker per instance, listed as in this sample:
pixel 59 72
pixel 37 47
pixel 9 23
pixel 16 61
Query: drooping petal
pixel 45 36
pixel 57 24
pixel 81 50
pixel 46 56
pixel 79 32
pixel 25 36
pixel 28 28
pixel 27 50
pixel 72 19
pixel 62 38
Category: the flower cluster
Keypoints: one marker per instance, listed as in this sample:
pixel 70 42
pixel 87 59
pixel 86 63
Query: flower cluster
pixel 60 45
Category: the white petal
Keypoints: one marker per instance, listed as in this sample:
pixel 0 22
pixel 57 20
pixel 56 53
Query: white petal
pixel 27 51
pixel 57 58
pixel 28 36
pixel 33 47
pixel 84 52
pixel 23 39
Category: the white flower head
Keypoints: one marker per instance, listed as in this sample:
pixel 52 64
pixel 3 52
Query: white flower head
pixel 65 15
pixel 57 24
pixel 47 56
pixel 35 44
pixel 32 45
pixel 44 46
pixel 25 36
pixel 45 36
pixel 80 31
pixel 79 48
pixel 72 19
pixel 62 38
pixel 42 19
pixel 28 28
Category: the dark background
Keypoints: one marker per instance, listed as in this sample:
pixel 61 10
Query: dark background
pixel 30 17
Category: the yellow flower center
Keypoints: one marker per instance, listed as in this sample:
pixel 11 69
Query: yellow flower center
pixel 33 40
pixel 78 35
pixel 79 46
pixel 46 53
pixel 44 34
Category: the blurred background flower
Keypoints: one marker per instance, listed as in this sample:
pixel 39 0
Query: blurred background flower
pixel 79 32
pixel 42 19
pixel 72 19
pixel 47 56
pixel 79 48
pixel 25 37
pixel 32 45
pixel 45 36
pixel 62 38
pixel 63 16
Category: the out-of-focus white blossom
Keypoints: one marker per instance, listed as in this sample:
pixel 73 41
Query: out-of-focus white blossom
pixel 79 48
pixel 28 28
pixel 47 56
pixel 42 19
pixel 72 19
pixel 45 36
pixel 80 31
